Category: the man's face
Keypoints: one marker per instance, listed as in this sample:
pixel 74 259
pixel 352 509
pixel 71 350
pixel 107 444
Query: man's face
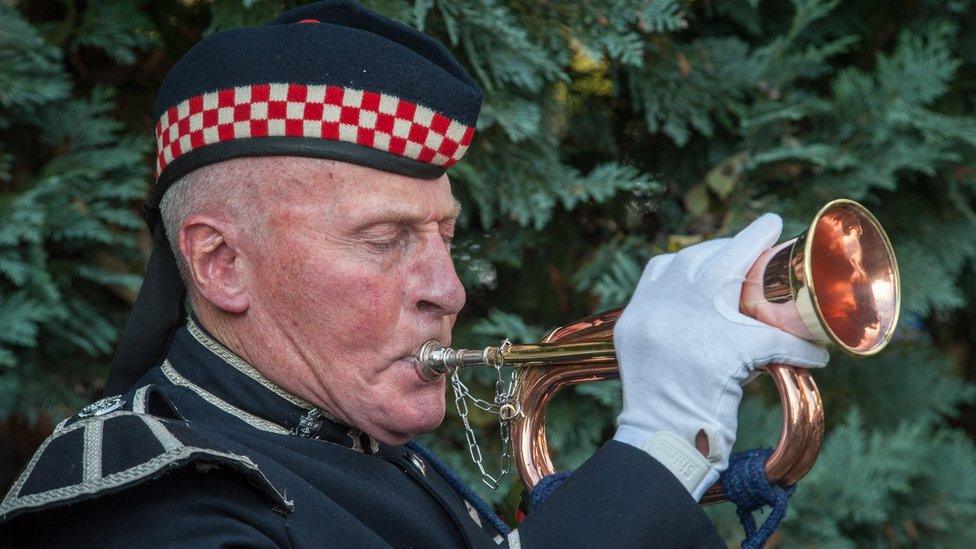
pixel 356 273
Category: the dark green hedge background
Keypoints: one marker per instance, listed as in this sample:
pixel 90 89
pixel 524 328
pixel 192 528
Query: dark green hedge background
pixel 613 130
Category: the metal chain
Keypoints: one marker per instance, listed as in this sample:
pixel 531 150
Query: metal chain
pixel 504 399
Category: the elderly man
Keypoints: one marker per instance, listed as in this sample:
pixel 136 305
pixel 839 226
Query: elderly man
pixel 303 203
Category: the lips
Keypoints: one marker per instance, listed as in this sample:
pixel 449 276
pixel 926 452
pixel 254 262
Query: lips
pixel 410 363
pixel 411 359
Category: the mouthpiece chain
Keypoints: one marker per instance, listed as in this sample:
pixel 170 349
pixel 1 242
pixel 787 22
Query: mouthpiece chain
pixel 435 360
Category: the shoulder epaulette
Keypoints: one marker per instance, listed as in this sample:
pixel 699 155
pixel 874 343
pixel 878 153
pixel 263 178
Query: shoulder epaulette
pixel 114 444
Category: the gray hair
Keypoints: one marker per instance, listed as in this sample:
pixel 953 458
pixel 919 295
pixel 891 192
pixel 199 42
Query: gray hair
pixel 226 187
pixel 238 187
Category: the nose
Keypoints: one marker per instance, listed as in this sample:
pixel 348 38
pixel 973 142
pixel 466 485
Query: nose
pixel 438 290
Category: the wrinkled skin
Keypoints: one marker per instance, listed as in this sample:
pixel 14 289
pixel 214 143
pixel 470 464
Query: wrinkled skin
pixel 352 274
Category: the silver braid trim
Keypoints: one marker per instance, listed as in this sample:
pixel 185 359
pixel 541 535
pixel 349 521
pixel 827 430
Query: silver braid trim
pixel 139 400
pixel 241 365
pixel 92 453
pixel 162 434
pixel 251 419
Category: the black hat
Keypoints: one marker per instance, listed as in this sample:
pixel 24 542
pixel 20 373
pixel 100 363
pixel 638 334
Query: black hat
pixel 327 80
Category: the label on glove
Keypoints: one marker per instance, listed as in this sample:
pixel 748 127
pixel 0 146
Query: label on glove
pixel 680 457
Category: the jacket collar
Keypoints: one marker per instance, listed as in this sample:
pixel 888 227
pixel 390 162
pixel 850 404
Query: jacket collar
pixel 199 362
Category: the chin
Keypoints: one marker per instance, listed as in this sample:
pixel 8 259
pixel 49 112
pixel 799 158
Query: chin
pixel 413 417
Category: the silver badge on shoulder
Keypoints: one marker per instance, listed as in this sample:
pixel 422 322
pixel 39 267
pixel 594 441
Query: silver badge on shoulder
pixel 102 407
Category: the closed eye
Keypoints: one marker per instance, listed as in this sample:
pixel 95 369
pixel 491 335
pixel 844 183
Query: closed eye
pixel 391 242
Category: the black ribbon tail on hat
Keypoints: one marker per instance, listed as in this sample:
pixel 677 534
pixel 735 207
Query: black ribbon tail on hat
pixel 159 311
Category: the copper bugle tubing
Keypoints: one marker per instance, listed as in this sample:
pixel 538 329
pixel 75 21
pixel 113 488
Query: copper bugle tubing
pixel 835 283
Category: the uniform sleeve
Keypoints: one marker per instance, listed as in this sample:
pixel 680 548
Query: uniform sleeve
pixel 621 497
pixel 185 508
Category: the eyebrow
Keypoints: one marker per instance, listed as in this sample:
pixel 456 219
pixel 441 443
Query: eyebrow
pixel 403 216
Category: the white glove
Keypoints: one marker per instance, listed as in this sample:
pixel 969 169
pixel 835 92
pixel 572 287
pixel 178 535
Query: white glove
pixel 685 351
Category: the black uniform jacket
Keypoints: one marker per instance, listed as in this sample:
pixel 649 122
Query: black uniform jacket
pixel 204 451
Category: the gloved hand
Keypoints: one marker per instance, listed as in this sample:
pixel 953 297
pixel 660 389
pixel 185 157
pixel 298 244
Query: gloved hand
pixel 685 351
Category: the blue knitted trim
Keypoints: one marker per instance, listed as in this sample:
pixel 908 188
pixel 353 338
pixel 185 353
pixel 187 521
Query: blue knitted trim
pixel 745 484
pixel 546 487
pixel 467 493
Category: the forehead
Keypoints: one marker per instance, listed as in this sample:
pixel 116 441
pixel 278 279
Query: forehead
pixel 348 190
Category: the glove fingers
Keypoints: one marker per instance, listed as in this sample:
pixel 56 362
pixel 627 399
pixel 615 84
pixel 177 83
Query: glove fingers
pixel 784 348
pixel 631 318
pixel 775 345
pixel 690 259
pixel 736 258
pixel 656 266
pixel 652 272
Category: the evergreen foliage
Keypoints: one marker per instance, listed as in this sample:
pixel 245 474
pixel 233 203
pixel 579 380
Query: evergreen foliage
pixel 612 131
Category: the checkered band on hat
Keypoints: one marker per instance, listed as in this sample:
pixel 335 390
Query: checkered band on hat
pixel 376 120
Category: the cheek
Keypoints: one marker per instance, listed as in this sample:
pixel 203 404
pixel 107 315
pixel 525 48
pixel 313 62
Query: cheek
pixel 367 307
pixel 338 298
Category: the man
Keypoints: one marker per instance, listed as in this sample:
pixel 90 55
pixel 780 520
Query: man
pixel 302 202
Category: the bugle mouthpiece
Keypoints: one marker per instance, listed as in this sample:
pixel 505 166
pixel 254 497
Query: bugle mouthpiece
pixel 435 360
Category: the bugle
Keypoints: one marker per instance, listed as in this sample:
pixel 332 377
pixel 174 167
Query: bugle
pixel 836 283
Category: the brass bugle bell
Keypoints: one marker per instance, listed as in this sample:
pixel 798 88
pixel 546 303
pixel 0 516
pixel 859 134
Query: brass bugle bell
pixel 836 283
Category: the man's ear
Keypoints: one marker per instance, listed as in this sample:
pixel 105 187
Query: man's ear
pixel 217 270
